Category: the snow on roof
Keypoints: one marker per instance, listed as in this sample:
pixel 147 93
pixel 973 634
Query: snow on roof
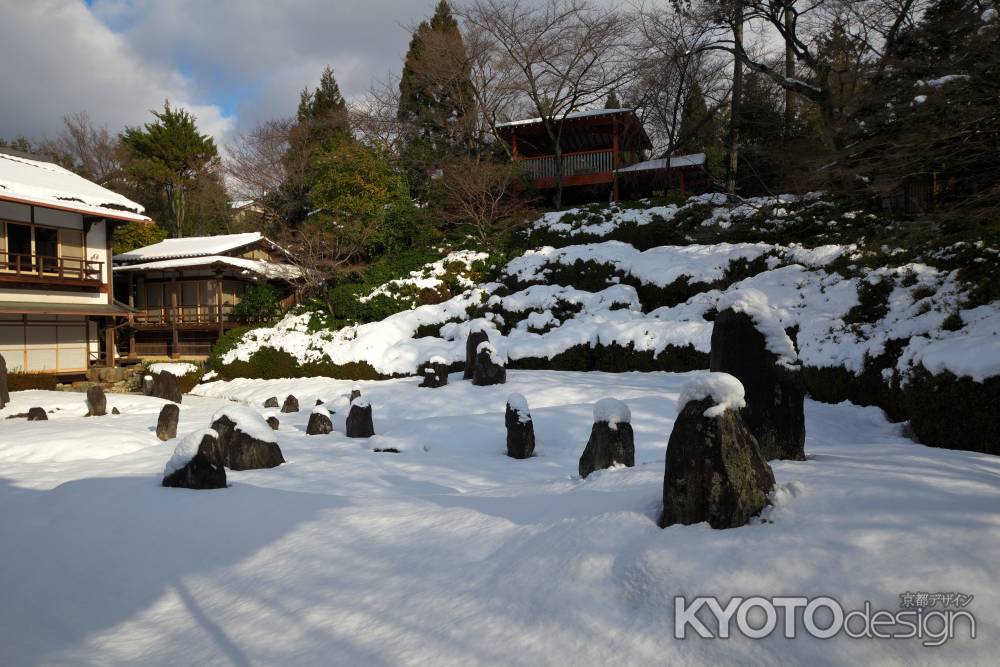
pixel 676 161
pixel 266 269
pixel 46 184
pixel 194 246
pixel 570 116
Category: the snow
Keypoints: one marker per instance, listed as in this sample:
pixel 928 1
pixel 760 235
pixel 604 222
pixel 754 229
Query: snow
pixel 973 351
pixel 192 246
pixel 361 402
pixel 754 303
pixel 942 80
pixel 259 267
pixel 247 421
pixel 519 404
pixel 676 162
pixel 988 15
pixel 186 450
pixel 589 113
pixel 178 369
pixel 320 410
pixel 452 553
pixel 725 391
pixel 48 184
pixel 429 276
pixel 612 411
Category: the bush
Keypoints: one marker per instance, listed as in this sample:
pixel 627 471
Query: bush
pixel 953 412
pixel 260 303
pixel 25 381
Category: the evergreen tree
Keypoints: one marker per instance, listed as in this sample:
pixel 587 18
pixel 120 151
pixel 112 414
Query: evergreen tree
pixel 612 101
pixel 700 131
pixel 436 101
pixel 167 159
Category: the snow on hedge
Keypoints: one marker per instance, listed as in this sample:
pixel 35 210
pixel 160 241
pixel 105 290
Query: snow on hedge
pixel 430 275
pixel 726 392
pixel 178 369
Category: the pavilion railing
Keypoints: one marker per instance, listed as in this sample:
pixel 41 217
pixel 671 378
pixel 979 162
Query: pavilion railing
pixel 573 164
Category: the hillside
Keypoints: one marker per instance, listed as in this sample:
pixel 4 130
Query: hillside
pixel 881 312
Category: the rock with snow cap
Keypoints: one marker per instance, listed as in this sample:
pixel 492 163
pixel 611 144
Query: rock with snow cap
pixel 291 404
pixel 319 422
pixel 247 442
pixel 749 343
pixel 434 372
pixel 490 367
pixel 271 402
pixel 97 402
pixel 166 386
pixel 520 428
pixel 714 469
pixel 166 424
pixel 359 419
pixel 611 442
pixel 476 338
pixel 196 463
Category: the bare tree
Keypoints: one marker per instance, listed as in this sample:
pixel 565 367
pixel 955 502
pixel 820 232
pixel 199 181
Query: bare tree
pixel 484 195
pixel 257 165
pixel 86 149
pixel 567 54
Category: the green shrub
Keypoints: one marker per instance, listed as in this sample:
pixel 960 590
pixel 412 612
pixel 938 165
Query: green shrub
pixel 953 412
pixel 261 302
pixel 873 302
pixel 226 342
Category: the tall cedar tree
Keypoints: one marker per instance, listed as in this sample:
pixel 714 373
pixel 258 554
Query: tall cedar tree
pixel 321 118
pixel 168 159
pixel 612 101
pixel 700 130
pixel 931 120
pixel 436 100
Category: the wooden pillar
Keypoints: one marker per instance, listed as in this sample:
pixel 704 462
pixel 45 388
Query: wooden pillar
pixel 615 148
pixel 175 348
pixel 132 353
pixel 218 303
pixel 513 143
pixel 109 342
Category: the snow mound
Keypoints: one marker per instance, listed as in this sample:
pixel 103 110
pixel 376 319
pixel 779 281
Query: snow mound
pixel 754 303
pixel 612 411
pixel 175 369
pixel 186 450
pixel 247 421
pixel 724 389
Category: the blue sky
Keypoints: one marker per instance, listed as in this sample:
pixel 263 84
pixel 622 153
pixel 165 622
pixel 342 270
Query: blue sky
pixel 231 62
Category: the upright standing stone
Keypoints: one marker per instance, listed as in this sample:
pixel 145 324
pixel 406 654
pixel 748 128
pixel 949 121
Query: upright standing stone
pixel 611 440
pixel 166 425
pixel 166 386
pixel 749 343
pixel 489 368
pixel 196 463
pixel 97 402
pixel 520 429
pixel 714 469
pixel 472 343
pixel 4 392
pixel 319 422
pixel 359 419
pixel 291 404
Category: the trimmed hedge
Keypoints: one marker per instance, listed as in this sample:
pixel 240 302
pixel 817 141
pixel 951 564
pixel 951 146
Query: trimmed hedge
pixel 617 358
pixel 26 381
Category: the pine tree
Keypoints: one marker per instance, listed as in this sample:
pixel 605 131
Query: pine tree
pixel 700 130
pixel 167 159
pixel 612 101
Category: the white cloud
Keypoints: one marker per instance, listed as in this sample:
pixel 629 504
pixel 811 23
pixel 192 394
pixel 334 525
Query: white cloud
pixel 56 58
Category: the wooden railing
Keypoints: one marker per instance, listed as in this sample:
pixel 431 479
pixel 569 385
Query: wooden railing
pixel 182 315
pixel 164 348
pixel 50 269
pixel 573 164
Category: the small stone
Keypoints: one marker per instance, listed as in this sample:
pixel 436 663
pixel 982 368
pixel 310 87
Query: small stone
pixel 434 372
pixel 355 393
pixel 271 402
pixel 319 424
pixel 489 368
pixel 4 387
pixel 115 411
pixel 291 404
pixel 611 440
pixel 273 423
pixel 97 402
pixel 318 402
pixel 166 424
pixel 520 429
pixel 37 415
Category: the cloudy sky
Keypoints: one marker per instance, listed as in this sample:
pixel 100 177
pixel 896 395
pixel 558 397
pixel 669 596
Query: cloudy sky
pixel 230 62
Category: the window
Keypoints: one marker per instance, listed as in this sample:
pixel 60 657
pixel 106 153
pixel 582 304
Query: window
pixel 19 247
pixel 26 248
pixel 47 248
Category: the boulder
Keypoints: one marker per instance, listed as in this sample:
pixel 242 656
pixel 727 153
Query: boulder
pixel 611 440
pixel 166 386
pixel 37 415
pixel 97 402
pixel 271 402
pixel 714 469
pixel 520 429
pixel 166 424
pixel 245 439
pixel 291 404
pixel 359 419
pixel 273 423
pixel 4 391
pixel 319 422
pixel 434 372
pixel 749 343
pixel 196 463
pixel 489 368
pixel 472 343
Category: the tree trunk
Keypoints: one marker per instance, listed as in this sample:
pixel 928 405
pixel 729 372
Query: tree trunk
pixel 559 175
pixel 736 100
pixel 789 74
